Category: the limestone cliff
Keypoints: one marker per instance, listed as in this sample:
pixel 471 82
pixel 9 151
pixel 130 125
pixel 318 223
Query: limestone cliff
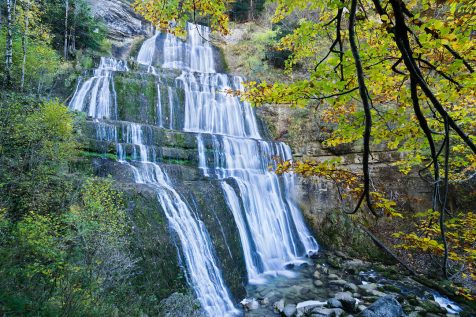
pixel 125 27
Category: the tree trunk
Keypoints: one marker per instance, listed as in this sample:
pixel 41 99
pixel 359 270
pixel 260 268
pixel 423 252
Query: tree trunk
pixel 24 43
pixel 251 11
pixel 66 14
pixel 9 46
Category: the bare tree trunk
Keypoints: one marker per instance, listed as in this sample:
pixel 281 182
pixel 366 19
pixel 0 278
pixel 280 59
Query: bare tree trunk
pixel 14 8
pixel 66 14
pixel 9 46
pixel 24 43
pixel 251 11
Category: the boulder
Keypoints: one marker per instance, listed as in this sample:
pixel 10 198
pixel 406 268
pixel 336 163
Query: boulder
pixel 318 283
pixel 347 301
pixel 333 277
pixel 351 287
pixel 306 308
pixel 367 288
pixel 334 303
pixel 316 275
pixel 386 306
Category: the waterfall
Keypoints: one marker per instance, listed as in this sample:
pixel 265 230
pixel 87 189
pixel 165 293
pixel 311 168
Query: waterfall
pixel 230 151
pixel 94 95
pixel 197 249
pixel 272 230
pixel 271 227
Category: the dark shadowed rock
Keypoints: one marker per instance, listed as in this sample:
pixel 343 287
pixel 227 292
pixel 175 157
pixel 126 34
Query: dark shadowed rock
pixel 334 303
pixel 347 301
pixel 386 306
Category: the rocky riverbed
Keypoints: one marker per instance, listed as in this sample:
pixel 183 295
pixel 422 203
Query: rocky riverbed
pixel 336 285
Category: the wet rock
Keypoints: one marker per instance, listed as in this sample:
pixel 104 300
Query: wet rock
pixel 318 283
pixel 347 301
pixel 386 306
pixel 306 308
pixel 337 282
pixel 367 288
pixel 316 275
pixel 289 266
pixel 361 308
pixel 351 287
pixel 334 303
pixel 323 312
pixel 304 291
pixel 250 304
pixel 279 306
pixel 356 295
pixel 289 310
pixel 333 277
pixel 377 293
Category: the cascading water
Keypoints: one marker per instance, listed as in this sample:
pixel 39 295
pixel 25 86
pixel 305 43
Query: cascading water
pixel 272 230
pixel 230 150
pixel 194 54
pixel 97 93
pixel 271 227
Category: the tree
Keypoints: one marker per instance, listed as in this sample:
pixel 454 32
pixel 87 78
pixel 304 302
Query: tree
pixel 9 46
pixel 26 13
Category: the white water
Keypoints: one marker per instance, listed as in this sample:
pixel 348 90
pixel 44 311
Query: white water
pixel 195 54
pixel 96 96
pixel 271 227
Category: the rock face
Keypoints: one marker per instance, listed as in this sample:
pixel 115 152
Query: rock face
pixel 386 306
pixel 123 24
pixel 120 18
